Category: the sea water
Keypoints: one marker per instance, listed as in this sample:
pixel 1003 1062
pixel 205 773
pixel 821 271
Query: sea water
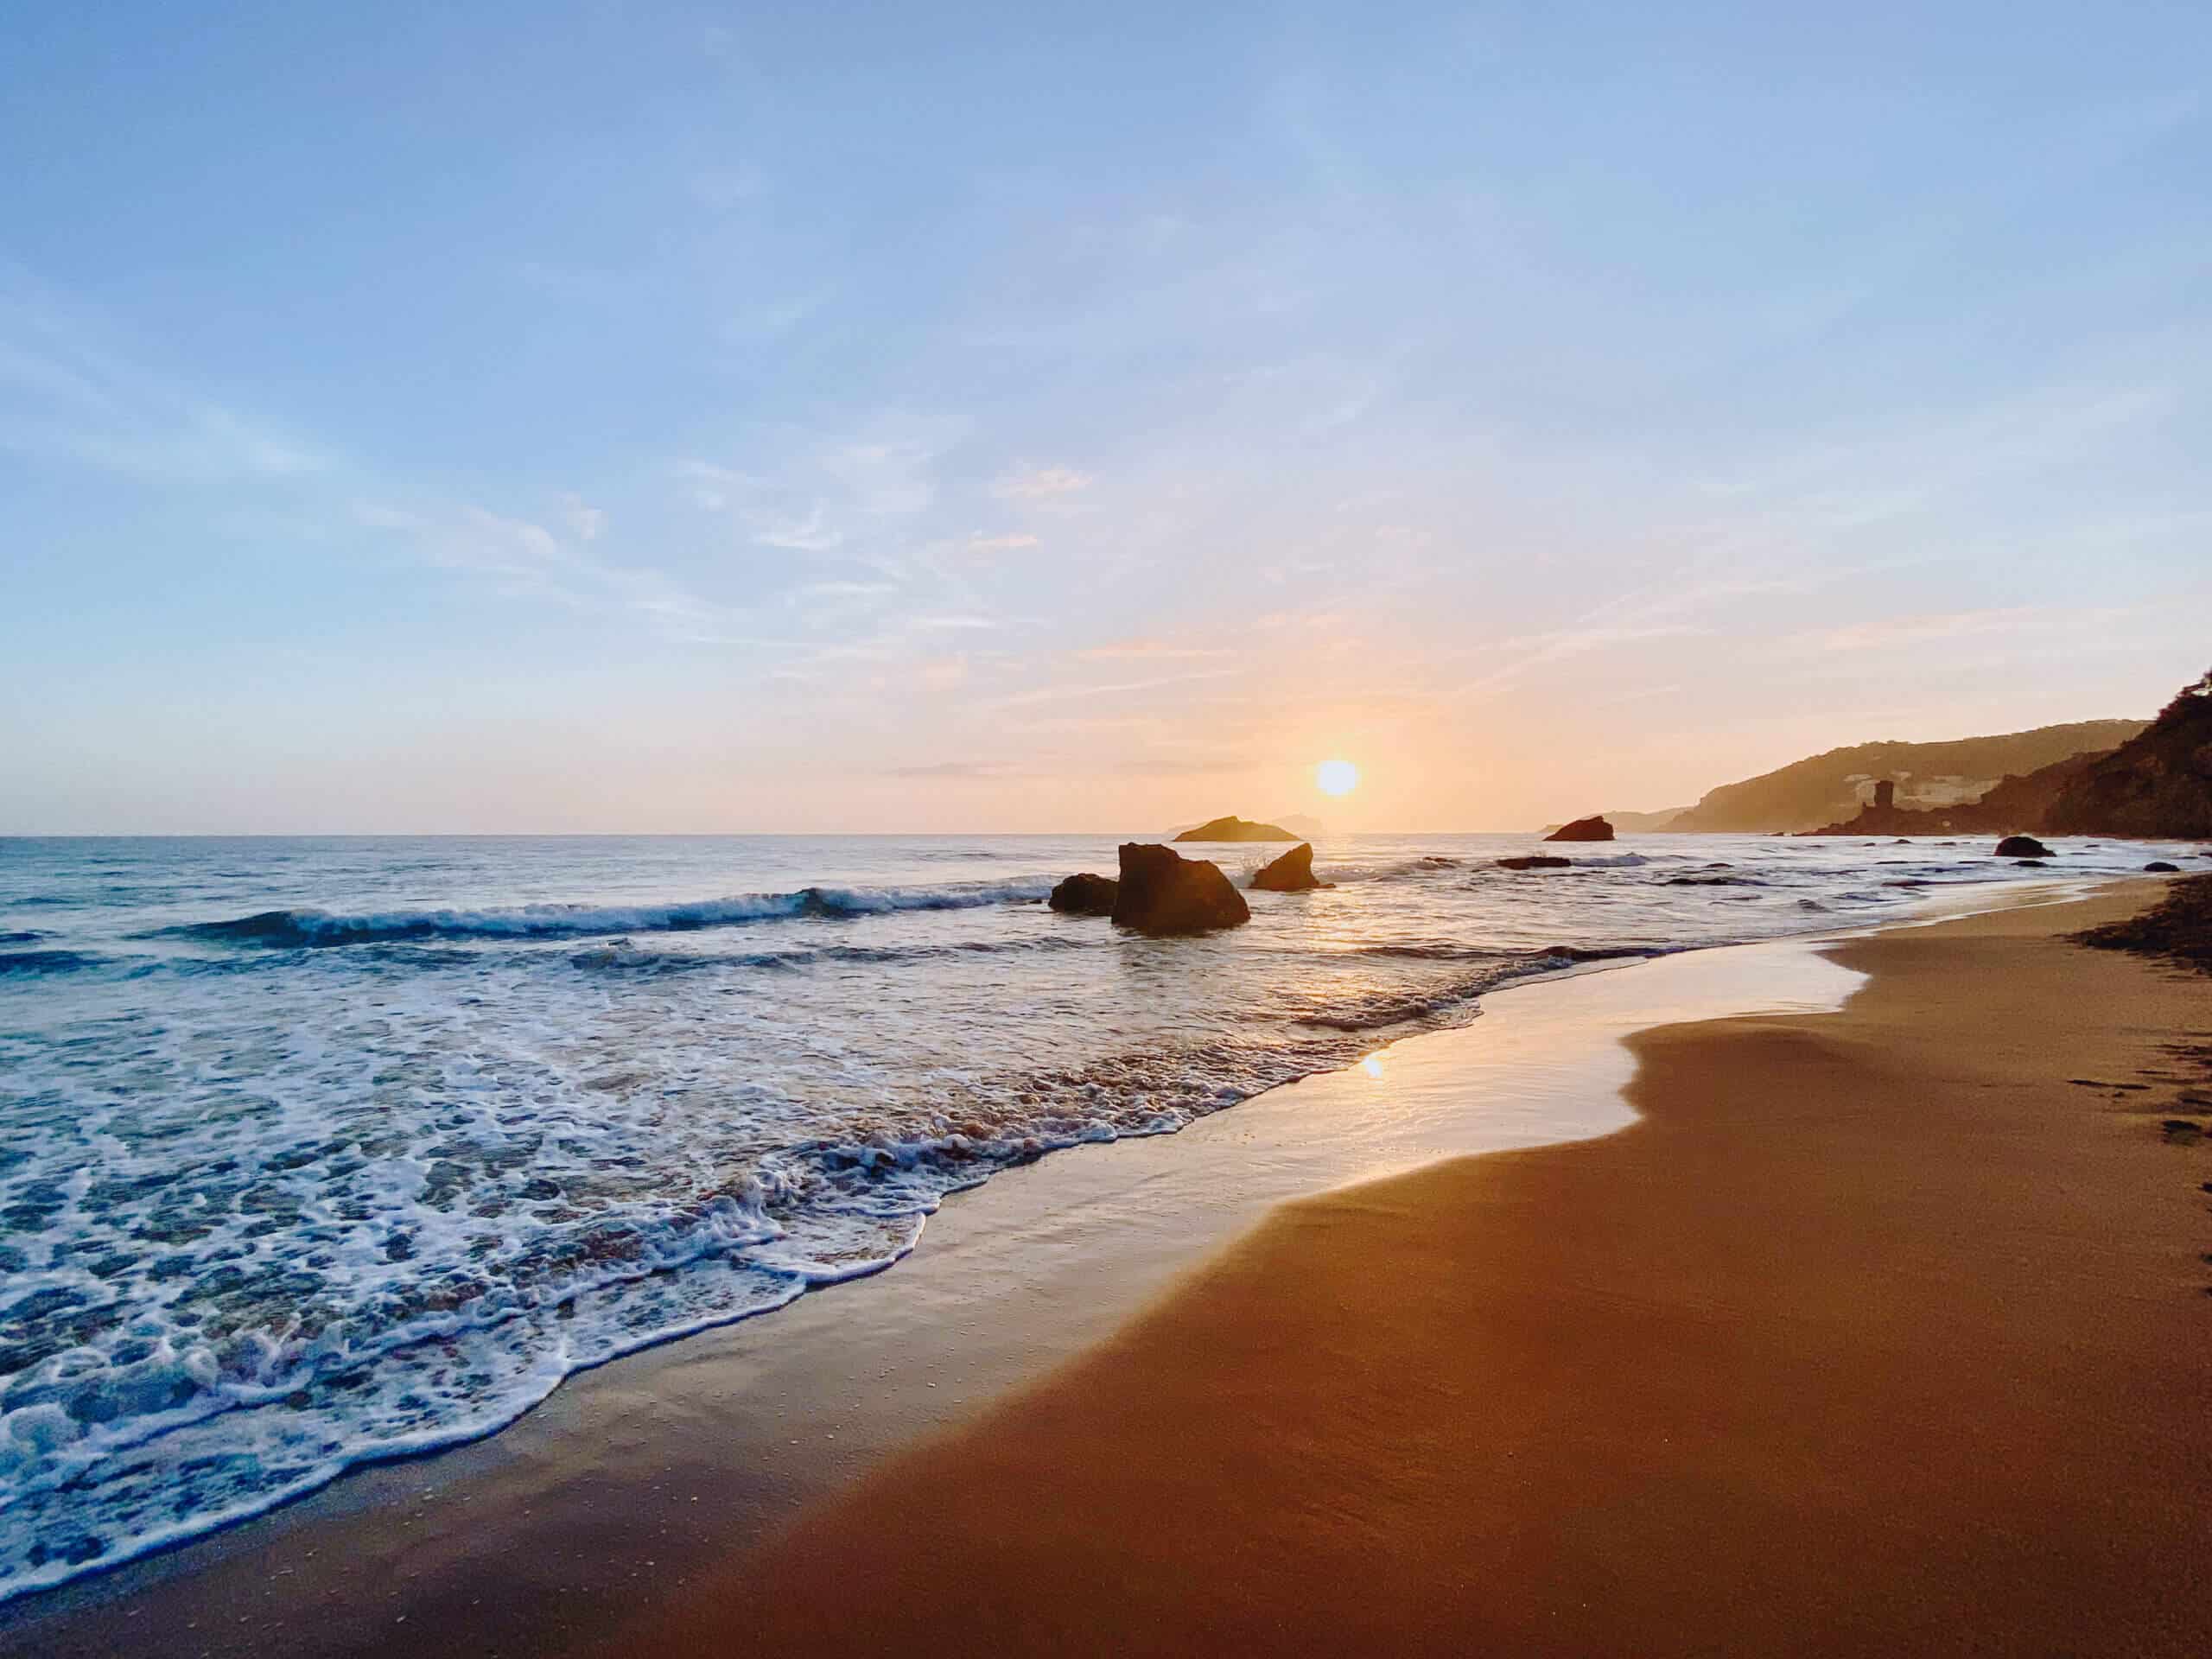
pixel 319 1151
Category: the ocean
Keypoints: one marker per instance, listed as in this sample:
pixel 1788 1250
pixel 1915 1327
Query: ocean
pixel 320 1151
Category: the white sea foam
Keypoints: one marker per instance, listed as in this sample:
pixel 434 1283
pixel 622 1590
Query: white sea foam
pixel 298 1170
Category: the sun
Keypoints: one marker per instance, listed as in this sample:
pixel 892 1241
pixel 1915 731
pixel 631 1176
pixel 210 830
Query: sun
pixel 1336 777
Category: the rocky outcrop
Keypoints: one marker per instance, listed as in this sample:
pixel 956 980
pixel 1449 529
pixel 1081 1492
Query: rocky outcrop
pixel 1292 873
pixel 1085 895
pixel 1635 824
pixel 2160 867
pixel 2022 847
pixel 2019 804
pixel 2159 785
pixel 1583 829
pixel 1161 892
pixel 2179 929
pixel 1534 861
pixel 1826 789
pixel 1236 828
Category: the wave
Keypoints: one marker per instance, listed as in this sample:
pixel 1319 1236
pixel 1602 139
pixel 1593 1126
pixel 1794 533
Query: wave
pixel 1431 864
pixel 25 936
pixel 623 953
pixel 314 929
pixel 27 962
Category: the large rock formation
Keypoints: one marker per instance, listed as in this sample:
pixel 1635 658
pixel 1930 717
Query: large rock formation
pixel 1086 895
pixel 2159 783
pixel 1236 828
pixel 1583 829
pixel 1292 873
pixel 1163 892
pixel 2015 804
pixel 1635 824
pixel 1832 787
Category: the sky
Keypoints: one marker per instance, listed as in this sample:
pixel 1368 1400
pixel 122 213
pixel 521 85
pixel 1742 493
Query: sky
pixel 684 418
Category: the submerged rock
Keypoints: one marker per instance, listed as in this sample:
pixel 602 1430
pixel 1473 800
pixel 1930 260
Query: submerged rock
pixel 1292 873
pixel 2160 867
pixel 1161 892
pixel 1534 861
pixel 1583 829
pixel 2022 847
pixel 1085 895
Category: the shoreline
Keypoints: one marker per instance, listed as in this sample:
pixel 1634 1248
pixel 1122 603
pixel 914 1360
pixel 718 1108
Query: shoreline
pixel 1880 1329
pixel 860 1375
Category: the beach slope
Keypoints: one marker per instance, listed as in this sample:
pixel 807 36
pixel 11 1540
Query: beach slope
pixel 1883 1331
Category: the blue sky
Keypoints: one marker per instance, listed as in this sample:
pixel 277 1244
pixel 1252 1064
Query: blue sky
pixel 690 417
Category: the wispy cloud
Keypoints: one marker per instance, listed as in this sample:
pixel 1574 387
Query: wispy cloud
pixel 524 558
pixel 1904 632
pixel 1065 693
pixel 1040 484
pixel 1540 650
pixel 584 520
pixel 69 393
pixel 1148 650
pixel 952 771
pixel 986 546
pixel 809 534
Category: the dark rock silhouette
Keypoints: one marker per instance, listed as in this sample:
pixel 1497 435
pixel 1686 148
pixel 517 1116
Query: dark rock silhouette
pixel 1161 892
pixel 2156 784
pixel 2160 867
pixel 1292 873
pixel 1236 828
pixel 2022 847
pixel 1885 795
pixel 2016 803
pixel 1085 895
pixel 1534 861
pixel 1824 788
pixel 1583 829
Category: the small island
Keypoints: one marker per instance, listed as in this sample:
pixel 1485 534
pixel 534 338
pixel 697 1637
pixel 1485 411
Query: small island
pixel 1236 828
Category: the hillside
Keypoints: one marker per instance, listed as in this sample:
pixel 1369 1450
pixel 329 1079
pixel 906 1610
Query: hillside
pixel 2159 783
pixel 1826 788
pixel 2015 806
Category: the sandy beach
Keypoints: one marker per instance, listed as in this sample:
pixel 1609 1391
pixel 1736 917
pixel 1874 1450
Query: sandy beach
pixel 1873 1329
pixel 1882 1330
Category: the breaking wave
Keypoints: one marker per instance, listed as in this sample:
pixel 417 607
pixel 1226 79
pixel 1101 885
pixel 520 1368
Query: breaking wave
pixel 313 929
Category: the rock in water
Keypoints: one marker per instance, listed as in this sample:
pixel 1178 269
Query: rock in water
pixel 1086 895
pixel 2160 867
pixel 1534 861
pixel 1164 892
pixel 2022 847
pixel 1292 873
pixel 1583 829
pixel 1233 828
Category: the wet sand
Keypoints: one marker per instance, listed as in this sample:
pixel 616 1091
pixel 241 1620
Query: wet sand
pixel 635 1484
pixel 1882 1330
